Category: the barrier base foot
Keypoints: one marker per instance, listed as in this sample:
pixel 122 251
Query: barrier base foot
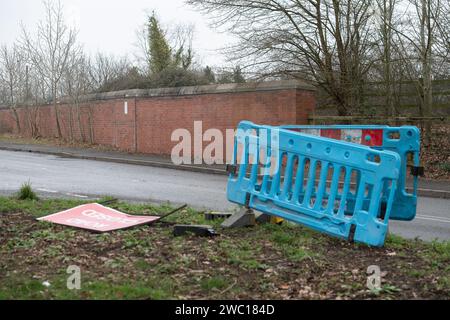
pixel 217 215
pixel 262 218
pixel 243 218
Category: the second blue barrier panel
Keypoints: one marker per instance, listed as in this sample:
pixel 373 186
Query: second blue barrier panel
pixel 404 140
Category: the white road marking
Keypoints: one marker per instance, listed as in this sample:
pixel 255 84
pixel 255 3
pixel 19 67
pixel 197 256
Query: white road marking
pixel 76 195
pixel 433 218
pixel 436 217
pixel 46 190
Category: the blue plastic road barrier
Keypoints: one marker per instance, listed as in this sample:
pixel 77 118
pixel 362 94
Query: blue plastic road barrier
pixel 403 140
pixel 307 180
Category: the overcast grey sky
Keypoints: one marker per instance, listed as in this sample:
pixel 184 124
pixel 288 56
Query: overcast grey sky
pixel 110 25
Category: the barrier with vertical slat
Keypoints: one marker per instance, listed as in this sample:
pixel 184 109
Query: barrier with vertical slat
pixel 404 140
pixel 307 180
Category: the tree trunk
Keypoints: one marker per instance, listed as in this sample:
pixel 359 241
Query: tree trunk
pixel 35 121
pixel 55 107
pixel 387 57
pixel 71 123
pixel 80 125
pixel 428 102
pixel 13 107
pixel 16 117
pixel 91 126
pixel 426 41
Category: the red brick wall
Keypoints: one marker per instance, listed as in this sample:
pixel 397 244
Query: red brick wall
pixel 148 126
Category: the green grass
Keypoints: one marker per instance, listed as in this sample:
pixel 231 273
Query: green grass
pixel 388 290
pixel 149 263
pixel 243 254
pixel 217 282
pixel 26 192
pixel 24 288
pixel 36 208
pixel 395 241
pixel 294 241
pixel 436 254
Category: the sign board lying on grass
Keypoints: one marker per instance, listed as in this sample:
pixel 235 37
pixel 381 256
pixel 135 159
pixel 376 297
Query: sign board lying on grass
pixel 98 218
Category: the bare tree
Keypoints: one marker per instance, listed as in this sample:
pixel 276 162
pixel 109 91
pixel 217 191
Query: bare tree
pixel 180 38
pixel 103 69
pixel 386 12
pixel 425 11
pixel 417 38
pixel 38 93
pixel 12 76
pixel 76 85
pixel 50 49
pixel 324 41
pixel 443 39
pixel 3 94
pixel 142 54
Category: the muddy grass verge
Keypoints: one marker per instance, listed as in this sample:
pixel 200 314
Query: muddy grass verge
pixel 264 262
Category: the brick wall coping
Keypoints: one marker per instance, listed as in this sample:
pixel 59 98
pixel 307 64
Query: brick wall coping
pixel 197 90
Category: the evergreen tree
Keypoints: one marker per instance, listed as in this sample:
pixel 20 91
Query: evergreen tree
pixel 160 51
pixel 209 75
pixel 237 75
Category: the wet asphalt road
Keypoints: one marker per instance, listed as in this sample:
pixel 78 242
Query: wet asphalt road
pixel 55 177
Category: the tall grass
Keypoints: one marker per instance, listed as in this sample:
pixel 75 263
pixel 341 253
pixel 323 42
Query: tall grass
pixel 26 192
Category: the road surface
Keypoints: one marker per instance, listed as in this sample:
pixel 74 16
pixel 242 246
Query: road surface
pixel 55 176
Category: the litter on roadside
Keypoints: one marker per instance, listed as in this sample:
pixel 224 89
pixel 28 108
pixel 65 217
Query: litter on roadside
pixel 198 230
pixel 217 215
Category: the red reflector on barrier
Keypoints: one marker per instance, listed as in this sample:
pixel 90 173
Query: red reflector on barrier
pixel 352 135
pixel 98 218
pixel 372 138
pixel 331 133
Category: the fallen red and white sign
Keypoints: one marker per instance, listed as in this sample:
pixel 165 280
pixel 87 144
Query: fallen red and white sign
pixel 98 218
